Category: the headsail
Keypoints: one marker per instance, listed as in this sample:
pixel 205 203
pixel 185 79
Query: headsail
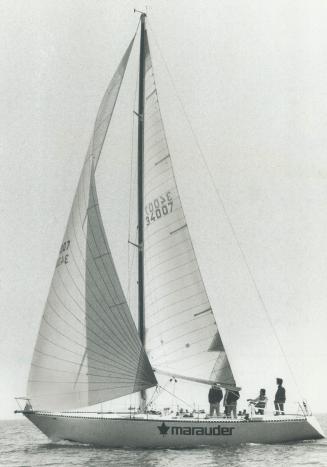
pixel 181 331
pixel 107 107
pixel 88 349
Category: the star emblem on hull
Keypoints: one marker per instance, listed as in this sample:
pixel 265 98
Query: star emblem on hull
pixel 163 428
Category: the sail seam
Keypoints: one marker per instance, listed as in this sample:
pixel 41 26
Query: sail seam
pixel 185 309
pixel 176 279
pixel 148 138
pixel 118 368
pixel 175 314
pixel 156 133
pixel 157 175
pixel 147 194
pixel 179 266
pixel 169 341
pixel 190 356
pixel 155 154
pixel 97 335
pixel 171 258
pixel 173 291
pixel 129 325
pixel 95 283
pixel 177 221
pixel 101 256
pixel 179 301
pixel 79 307
pixel 181 324
pixel 148 162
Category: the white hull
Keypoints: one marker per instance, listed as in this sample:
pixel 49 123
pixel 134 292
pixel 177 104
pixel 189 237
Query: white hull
pixel 162 432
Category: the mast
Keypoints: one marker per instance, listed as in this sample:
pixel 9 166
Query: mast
pixel 140 194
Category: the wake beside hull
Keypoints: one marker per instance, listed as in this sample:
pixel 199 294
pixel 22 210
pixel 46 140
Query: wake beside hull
pixel 104 430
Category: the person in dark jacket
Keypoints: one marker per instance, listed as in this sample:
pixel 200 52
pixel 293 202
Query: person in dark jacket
pixel 280 398
pixel 215 395
pixel 230 402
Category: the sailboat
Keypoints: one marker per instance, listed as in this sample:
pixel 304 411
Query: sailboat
pixel 89 349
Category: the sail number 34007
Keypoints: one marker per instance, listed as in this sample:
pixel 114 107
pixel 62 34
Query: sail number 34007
pixel 158 208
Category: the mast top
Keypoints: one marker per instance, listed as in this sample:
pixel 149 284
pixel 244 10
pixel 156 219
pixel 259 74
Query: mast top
pixel 143 15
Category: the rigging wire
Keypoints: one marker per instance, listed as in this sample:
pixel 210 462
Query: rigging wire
pixel 174 395
pixel 220 199
pixel 156 392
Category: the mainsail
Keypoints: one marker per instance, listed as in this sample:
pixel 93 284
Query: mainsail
pixel 88 349
pixel 181 331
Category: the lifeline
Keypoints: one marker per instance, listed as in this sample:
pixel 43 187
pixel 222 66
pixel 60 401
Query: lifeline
pixel 203 431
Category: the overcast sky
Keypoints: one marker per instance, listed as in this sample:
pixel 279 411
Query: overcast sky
pixel 251 76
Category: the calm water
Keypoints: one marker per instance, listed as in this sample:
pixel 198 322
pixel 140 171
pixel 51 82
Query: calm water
pixel 23 445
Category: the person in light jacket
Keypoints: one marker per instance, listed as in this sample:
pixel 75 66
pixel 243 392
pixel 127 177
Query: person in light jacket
pixel 259 402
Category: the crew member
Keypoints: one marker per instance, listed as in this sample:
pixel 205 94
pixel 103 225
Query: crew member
pixel 260 402
pixel 280 398
pixel 215 395
pixel 230 402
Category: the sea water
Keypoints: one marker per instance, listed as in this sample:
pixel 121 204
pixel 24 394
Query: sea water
pixel 21 444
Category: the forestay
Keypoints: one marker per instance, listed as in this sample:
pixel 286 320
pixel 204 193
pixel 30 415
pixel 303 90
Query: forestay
pixel 181 331
pixel 88 349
